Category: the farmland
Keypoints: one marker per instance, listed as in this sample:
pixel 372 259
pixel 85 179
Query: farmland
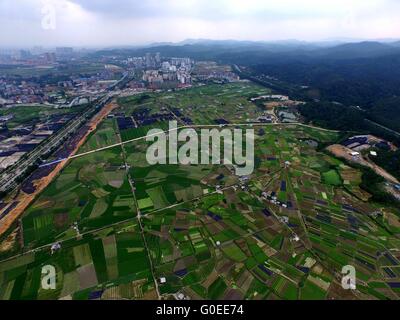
pixel 130 230
pixel 26 115
pixel 111 263
pixel 205 104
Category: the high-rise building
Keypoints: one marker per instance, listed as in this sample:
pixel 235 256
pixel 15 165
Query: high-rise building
pixel 64 52
pixel 24 54
pixel 165 66
pixel 158 58
pixel 50 57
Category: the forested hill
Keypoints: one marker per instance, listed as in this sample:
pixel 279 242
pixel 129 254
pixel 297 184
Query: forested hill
pixel 362 81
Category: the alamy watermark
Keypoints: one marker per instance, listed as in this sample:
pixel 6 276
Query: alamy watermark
pixel 190 147
pixel 49 17
pixel 349 277
pixel 48 277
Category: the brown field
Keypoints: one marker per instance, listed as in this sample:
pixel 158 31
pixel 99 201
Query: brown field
pixel 9 242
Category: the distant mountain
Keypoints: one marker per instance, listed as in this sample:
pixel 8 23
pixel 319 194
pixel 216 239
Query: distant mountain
pixel 254 52
pixel 364 49
pixel 395 44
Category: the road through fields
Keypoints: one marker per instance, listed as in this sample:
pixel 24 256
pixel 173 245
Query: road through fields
pixel 23 199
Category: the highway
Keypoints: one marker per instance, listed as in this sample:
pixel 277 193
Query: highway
pixel 9 178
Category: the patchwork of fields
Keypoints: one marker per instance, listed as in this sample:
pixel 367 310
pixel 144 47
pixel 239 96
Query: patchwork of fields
pixel 130 230
pixel 23 115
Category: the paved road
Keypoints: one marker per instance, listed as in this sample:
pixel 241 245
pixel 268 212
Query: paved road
pixel 9 178
pixel 383 127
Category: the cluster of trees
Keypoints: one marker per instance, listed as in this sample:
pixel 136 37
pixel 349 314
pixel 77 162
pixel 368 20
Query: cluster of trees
pixel 386 111
pixel 340 117
pixel 333 116
pixel 390 161
pixel 371 83
pixel 357 81
pixel 373 184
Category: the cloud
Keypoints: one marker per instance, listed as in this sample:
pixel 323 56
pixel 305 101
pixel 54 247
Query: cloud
pixel 110 22
pixel 229 9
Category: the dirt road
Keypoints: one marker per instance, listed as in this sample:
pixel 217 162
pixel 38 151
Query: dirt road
pixel 343 152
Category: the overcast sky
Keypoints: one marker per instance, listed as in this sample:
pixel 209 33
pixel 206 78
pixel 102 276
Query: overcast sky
pixel 91 23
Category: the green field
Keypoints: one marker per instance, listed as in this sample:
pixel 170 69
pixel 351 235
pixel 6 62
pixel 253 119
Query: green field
pixel 331 177
pixel 92 191
pixel 28 114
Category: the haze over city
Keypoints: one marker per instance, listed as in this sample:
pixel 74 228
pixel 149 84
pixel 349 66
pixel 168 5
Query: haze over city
pixel 132 22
